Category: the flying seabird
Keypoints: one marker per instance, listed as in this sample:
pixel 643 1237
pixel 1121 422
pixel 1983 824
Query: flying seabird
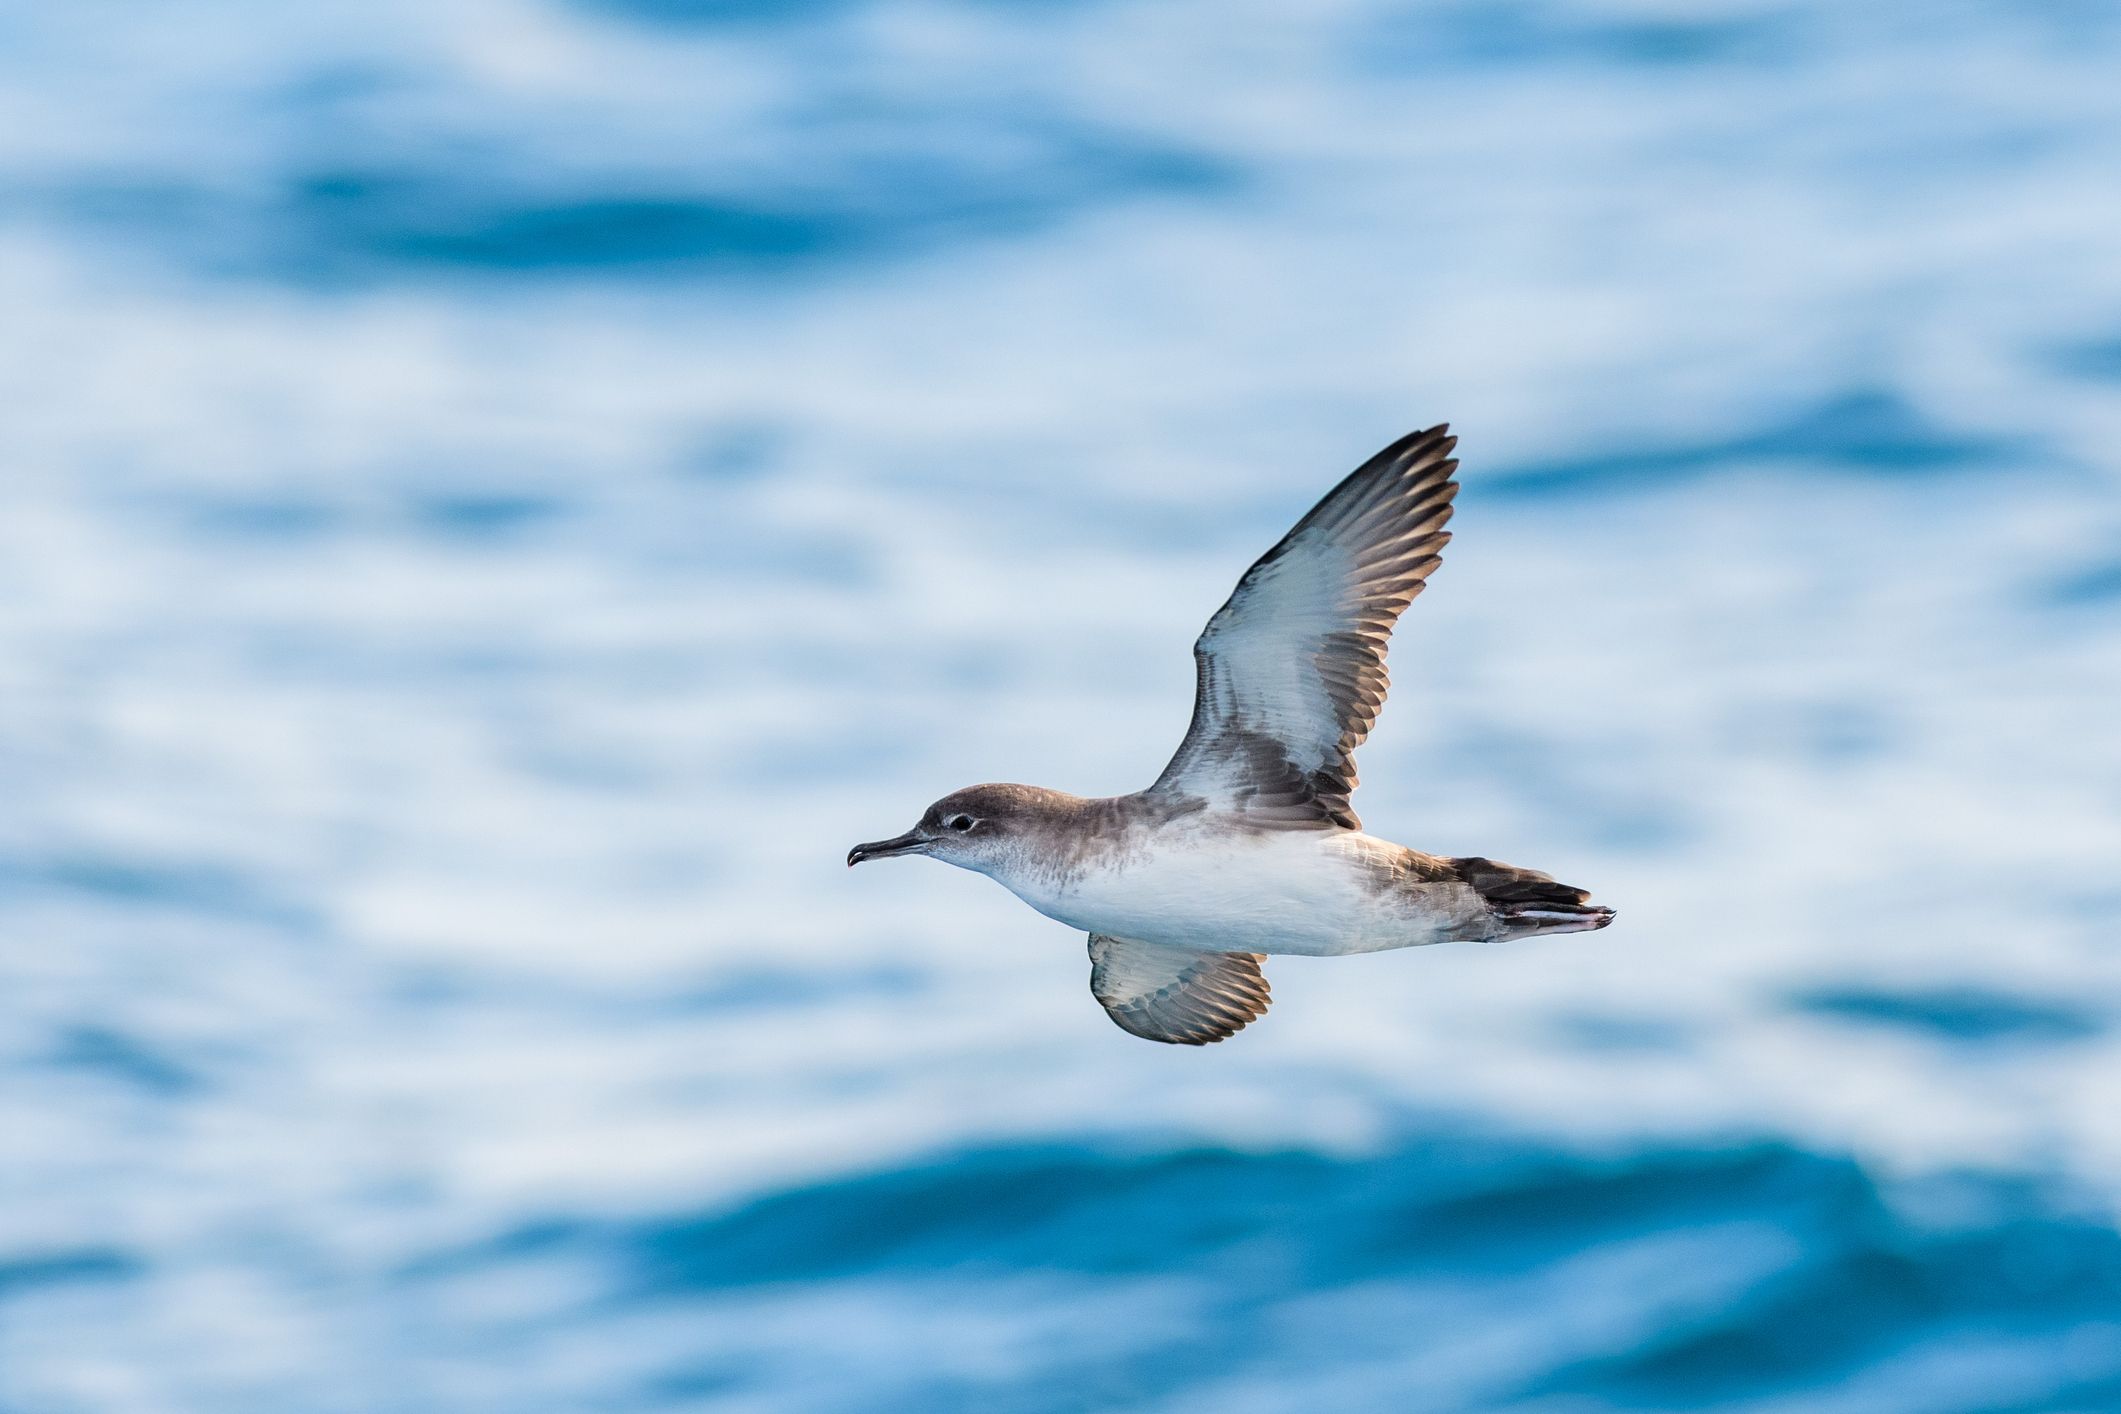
pixel 1246 844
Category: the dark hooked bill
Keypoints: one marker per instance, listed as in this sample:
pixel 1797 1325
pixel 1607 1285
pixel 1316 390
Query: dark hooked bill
pixel 912 842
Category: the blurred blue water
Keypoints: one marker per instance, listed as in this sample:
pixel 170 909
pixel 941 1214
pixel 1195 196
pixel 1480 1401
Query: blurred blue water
pixel 1455 1271
pixel 495 497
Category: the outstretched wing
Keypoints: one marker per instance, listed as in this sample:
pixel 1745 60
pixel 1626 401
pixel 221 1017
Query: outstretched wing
pixel 1291 671
pixel 1175 994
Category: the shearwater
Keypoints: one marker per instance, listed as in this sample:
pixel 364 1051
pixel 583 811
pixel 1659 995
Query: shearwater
pixel 1246 844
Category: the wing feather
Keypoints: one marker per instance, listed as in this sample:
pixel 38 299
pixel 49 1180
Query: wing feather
pixel 1176 995
pixel 1290 673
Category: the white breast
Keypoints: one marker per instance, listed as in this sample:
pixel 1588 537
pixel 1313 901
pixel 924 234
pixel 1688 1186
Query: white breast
pixel 1285 891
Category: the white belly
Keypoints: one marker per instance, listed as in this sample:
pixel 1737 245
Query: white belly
pixel 1292 891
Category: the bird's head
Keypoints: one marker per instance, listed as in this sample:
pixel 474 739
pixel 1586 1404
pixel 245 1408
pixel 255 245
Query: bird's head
pixel 974 828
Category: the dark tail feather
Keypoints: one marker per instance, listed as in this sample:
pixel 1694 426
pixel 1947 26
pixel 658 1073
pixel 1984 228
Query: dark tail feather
pixel 1531 902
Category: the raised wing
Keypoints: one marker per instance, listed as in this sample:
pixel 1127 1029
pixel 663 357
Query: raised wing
pixel 1291 671
pixel 1176 995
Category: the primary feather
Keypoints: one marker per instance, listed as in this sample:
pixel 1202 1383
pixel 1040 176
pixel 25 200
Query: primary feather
pixel 1290 673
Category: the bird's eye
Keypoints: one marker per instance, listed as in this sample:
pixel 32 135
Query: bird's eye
pixel 960 823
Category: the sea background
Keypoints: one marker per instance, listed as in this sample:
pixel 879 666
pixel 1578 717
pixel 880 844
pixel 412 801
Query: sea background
pixel 497 496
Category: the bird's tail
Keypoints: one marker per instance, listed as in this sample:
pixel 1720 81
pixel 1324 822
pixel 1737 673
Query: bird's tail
pixel 1530 903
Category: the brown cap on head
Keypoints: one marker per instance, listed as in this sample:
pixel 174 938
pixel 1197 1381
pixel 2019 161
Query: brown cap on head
pixel 966 823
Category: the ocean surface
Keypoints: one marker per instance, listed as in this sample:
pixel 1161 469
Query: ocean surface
pixel 497 496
